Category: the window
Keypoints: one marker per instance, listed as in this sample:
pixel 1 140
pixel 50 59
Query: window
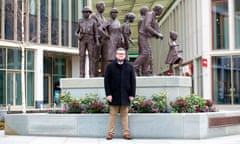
pixel 9 19
pixel 54 22
pixel 33 21
pixel 13 59
pixel 65 23
pixel 2 88
pixel 237 23
pixel 220 24
pixel 74 22
pixel 44 21
pixel 226 75
pixel 2 58
pixel 19 20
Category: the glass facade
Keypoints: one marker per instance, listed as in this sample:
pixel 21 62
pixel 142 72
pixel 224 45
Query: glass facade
pixel 10 76
pixel 33 21
pixel 226 71
pixel 237 23
pixel 9 19
pixel 220 24
pixel 54 22
pixel 65 23
pixel 44 21
pixel 74 10
pixel 19 20
pixel 54 68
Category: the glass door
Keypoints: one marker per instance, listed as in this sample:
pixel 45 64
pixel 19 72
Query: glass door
pixel 14 95
pixel 47 98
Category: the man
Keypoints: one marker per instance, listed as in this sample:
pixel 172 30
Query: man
pixel 87 36
pixel 120 88
pixel 149 28
pixel 99 19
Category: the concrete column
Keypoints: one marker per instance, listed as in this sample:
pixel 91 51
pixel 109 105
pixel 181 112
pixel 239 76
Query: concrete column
pixel 75 66
pixel 231 23
pixel 206 37
pixel 38 78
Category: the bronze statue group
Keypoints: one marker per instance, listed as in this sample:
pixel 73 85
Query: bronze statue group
pixel 101 38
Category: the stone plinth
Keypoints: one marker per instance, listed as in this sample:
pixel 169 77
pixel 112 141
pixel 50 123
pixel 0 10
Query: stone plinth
pixel 174 86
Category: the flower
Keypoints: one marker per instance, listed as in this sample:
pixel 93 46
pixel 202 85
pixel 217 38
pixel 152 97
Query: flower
pixel 95 107
pixel 209 103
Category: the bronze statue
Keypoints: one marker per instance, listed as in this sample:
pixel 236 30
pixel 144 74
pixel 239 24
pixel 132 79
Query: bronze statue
pixel 87 36
pixel 99 19
pixel 111 29
pixel 148 29
pixel 173 57
pixel 143 10
pixel 126 31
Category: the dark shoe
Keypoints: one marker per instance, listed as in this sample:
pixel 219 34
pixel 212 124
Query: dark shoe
pixel 127 137
pixel 109 136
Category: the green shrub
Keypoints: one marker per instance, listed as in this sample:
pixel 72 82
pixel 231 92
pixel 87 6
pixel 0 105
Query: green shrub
pixel 191 104
pixel 160 101
pixel 75 107
pixel 65 97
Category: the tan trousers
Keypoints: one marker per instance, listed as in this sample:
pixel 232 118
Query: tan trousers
pixel 114 110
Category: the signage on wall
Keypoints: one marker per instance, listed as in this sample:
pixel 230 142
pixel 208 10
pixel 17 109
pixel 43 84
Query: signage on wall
pixel 204 62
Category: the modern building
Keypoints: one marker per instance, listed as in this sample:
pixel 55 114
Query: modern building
pixel 38 45
pixel 209 35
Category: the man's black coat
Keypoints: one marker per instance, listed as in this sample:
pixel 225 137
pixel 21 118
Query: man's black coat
pixel 120 82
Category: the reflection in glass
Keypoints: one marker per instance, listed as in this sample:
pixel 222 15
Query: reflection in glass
pixel 19 20
pixel 44 21
pixel 47 63
pixel 30 88
pixel 32 20
pixel 2 88
pixel 237 23
pixel 220 24
pixel 9 19
pixel 14 95
pixel 10 87
pixel 13 59
pixel 64 23
pixel 18 87
pixel 222 80
pixel 74 22
pixel 2 58
pixel 45 90
pixel 59 66
pixel 54 26
pixel 236 78
pixel 29 60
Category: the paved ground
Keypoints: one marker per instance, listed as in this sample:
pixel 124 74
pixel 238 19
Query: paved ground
pixel 6 139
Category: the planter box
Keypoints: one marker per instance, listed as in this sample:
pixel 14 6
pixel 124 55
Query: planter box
pixel 155 125
pixel 174 86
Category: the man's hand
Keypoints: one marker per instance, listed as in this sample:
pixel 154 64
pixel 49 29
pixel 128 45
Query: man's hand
pixel 131 98
pixel 160 36
pixel 109 98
